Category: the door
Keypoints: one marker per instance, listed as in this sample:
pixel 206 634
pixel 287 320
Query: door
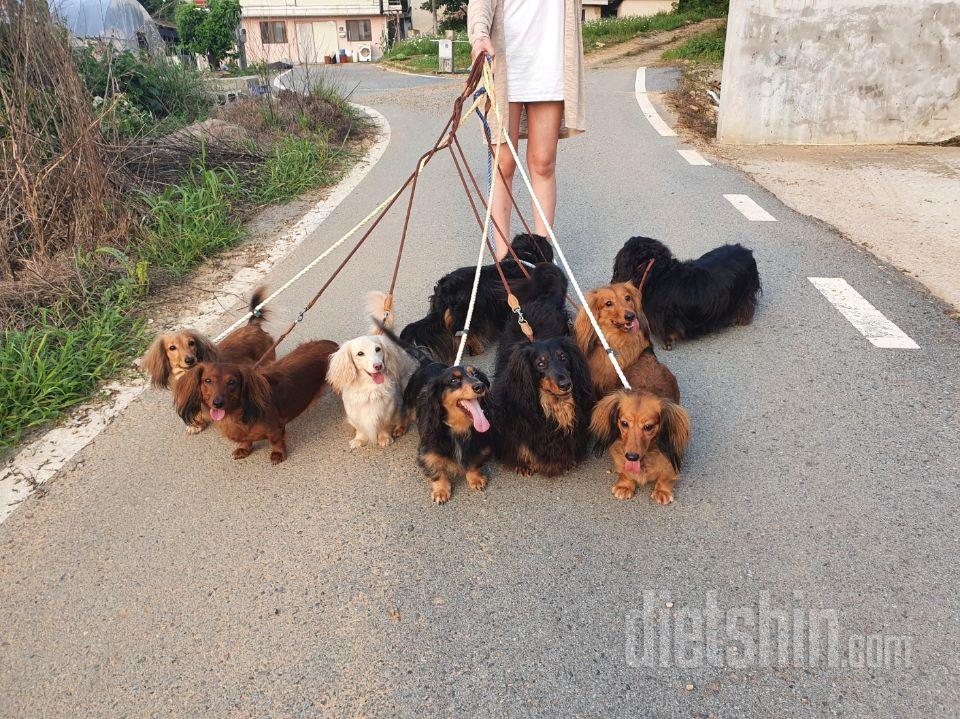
pixel 325 39
pixel 317 39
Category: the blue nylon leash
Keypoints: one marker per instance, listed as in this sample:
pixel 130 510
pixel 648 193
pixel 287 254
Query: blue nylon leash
pixel 488 133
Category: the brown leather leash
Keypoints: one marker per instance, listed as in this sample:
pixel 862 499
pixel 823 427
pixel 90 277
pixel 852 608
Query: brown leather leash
pixel 445 138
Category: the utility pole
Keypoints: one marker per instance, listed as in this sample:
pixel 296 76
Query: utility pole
pixel 433 5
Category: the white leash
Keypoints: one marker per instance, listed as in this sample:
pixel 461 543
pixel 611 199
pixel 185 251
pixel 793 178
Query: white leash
pixel 553 238
pixel 476 273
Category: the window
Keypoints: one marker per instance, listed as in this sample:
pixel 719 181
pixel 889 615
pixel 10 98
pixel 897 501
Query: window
pixel 273 33
pixel 358 30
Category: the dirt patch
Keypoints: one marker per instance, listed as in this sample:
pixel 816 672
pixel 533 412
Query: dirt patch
pixel 646 50
pixel 905 207
pixel 692 104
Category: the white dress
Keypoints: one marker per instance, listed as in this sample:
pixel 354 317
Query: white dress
pixel 533 31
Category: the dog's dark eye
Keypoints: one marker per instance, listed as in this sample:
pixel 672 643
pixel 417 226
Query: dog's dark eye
pixel 379 349
pixel 172 348
pixel 191 343
pixel 206 380
pixel 562 357
pixel 624 423
pixel 454 380
pixel 231 383
pixel 609 303
pixel 360 353
pixel 648 427
pixel 628 298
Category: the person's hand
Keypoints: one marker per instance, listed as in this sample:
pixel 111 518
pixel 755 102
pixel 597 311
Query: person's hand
pixel 481 45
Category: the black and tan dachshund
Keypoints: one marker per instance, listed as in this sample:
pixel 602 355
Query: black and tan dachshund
pixel 542 393
pixel 450 405
pixel 451 296
pixel 684 300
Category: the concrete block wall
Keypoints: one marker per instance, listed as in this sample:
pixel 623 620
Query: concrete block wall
pixel 828 72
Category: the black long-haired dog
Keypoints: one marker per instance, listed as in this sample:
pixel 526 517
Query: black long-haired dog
pixel 451 297
pixel 542 395
pixel 450 404
pixel 687 299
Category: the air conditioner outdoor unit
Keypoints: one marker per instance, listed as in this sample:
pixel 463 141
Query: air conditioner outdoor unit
pixel 364 53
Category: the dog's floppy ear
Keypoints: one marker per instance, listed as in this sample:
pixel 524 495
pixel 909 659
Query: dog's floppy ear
pixel 155 363
pixel 430 412
pixel 342 372
pixel 583 394
pixel 396 361
pixel 583 329
pixel 254 394
pixel 186 395
pixel 604 422
pixel 674 432
pixel 205 350
pixel 523 395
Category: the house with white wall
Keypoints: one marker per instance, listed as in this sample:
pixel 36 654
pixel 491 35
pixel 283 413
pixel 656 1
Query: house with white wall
pixel 306 31
pixel 595 9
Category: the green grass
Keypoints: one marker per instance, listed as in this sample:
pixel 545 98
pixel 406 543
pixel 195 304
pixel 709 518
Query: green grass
pixel 703 49
pixel 295 166
pixel 419 54
pixel 61 360
pixel 191 221
pixel 614 30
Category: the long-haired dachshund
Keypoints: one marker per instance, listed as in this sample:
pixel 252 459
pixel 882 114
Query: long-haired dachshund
pixel 617 310
pixel 542 395
pixel 370 373
pixel 687 299
pixel 647 437
pixel 248 404
pixel 451 297
pixel 173 353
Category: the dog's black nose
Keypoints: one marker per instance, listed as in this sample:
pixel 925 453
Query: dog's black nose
pixel 564 383
pixel 190 361
pixel 218 403
pixel 629 317
pixel 632 456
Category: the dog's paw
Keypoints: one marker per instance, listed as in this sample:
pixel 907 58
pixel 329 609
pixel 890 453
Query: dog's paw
pixel 277 457
pixel 357 442
pixel 399 431
pixel 194 429
pixel 385 440
pixel 662 496
pixel 475 480
pixel 440 494
pixel 242 453
pixel 624 490
pixel 525 471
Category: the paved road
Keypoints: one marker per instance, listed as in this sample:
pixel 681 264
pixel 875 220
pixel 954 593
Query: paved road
pixel 162 578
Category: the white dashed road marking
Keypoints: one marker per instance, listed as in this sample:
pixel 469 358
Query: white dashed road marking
pixel 750 209
pixel 868 320
pixel 694 157
pixel 640 90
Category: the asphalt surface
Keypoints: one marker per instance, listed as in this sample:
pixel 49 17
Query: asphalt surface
pixel 162 578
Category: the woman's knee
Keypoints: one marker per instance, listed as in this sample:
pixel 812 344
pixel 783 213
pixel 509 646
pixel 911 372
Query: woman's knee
pixel 507 164
pixel 542 164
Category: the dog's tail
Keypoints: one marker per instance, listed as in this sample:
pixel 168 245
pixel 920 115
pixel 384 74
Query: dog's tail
pixel 418 353
pixel 378 312
pixel 257 316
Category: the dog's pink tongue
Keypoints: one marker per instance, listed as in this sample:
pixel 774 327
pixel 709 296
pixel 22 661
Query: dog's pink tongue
pixel 378 377
pixel 634 325
pixel 480 421
pixel 217 414
pixel 636 466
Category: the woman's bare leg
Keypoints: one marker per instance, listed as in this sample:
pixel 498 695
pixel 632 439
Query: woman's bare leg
pixel 543 133
pixel 502 206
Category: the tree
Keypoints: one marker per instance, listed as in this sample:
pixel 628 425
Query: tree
pixel 453 12
pixel 209 31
